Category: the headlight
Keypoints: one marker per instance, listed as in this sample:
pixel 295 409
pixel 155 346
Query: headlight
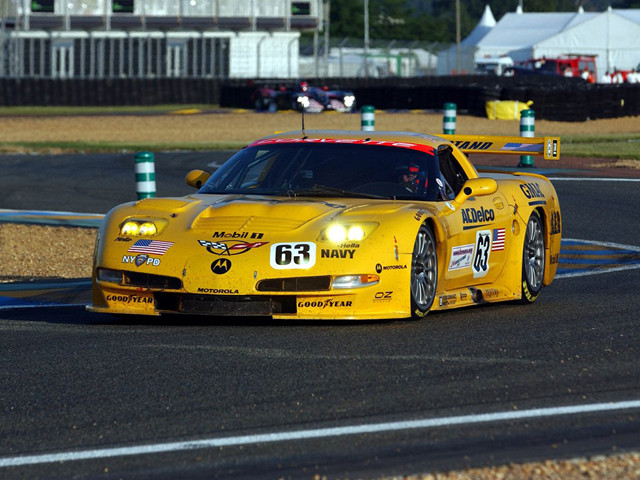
pixel 348 100
pixel 108 275
pixel 342 232
pixel 355 281
pixel 134 227
pixel 336 233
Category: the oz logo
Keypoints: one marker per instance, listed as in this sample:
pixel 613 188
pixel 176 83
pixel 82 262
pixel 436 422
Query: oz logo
pixel 483 249
pixel 221 266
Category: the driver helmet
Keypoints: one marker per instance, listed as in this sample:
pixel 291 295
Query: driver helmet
pixel 304 86
pixel 409 176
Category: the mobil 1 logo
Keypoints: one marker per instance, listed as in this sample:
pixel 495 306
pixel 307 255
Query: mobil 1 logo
pixel 480 264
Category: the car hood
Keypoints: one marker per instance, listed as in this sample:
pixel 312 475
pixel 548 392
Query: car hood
pixel 265 214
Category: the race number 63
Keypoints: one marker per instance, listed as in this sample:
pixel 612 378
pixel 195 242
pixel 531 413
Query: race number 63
pixel 292 255
pixel 483 249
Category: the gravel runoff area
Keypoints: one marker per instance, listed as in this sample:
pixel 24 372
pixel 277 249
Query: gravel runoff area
pixel 68 251
pixel 199 129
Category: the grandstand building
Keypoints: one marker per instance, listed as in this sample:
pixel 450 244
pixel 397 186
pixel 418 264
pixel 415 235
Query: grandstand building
pixel 154 38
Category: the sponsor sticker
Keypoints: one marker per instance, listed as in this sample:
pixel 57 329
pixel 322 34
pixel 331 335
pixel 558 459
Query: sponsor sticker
pixel 323 304
pixel 129 299
pixel 461 257
pixel 336 253
pixel 139 260
pixel 230 248
pixel 221 266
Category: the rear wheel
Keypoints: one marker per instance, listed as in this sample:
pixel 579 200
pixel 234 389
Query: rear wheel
pixel 424 272
pixel 533 259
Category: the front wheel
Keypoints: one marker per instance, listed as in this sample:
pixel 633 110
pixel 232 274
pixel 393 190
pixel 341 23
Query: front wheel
pixel 532 259
pixel 424 272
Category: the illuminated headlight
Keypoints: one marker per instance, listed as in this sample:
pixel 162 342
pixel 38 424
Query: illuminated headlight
pixel 348 100
pixel 142 228
pixel 130 228
pixel 147 229
pixel 336 233
pixel 304 101
pixel 340 233
pixel 355 281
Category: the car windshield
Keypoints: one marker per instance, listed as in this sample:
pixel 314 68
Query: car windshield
pixel 328 170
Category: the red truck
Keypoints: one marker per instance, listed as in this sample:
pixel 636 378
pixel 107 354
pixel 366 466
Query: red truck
pixel 567 65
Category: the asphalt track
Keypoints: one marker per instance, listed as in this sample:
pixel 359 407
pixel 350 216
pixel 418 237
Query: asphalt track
pixel 88 395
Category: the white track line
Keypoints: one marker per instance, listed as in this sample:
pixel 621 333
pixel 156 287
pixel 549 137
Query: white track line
pixel 153 448
pixel 599 271
pixel 595 272
pixel 606 244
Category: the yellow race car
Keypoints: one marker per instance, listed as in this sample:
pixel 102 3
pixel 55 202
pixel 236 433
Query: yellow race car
pixel 337 225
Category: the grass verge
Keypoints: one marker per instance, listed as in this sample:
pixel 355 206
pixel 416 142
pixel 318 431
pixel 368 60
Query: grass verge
pixel 619 147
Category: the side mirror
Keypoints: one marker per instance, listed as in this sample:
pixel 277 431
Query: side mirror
pixel 197 178
pixel 476 187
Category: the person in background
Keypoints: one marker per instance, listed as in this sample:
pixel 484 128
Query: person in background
pixel 606 78
pixel 616 77
pixel 587 75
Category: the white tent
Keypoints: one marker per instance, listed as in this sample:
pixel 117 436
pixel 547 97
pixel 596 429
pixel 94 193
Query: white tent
pixel 448 59
pixel 614 36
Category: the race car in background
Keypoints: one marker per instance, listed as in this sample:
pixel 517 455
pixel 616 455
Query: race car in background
pixel 303 96
pixel 337 225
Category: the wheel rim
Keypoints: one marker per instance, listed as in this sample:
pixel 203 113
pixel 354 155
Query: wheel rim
pixel 423 271
pixel 534 254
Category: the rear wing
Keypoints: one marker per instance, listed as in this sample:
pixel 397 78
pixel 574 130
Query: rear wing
pixel 548 147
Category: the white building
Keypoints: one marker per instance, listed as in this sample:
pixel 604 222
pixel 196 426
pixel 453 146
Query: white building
pixel 154 38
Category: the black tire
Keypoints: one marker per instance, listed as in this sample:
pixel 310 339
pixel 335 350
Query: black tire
pixel 424 272
pixel 533 259
pixel 259 104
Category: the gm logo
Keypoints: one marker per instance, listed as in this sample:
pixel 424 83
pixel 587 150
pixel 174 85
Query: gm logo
pixel 221 266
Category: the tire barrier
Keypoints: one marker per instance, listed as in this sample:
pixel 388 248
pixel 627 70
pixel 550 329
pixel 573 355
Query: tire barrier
pixel 554 98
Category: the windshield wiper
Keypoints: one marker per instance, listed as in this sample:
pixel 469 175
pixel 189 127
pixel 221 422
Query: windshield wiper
pixel 318 189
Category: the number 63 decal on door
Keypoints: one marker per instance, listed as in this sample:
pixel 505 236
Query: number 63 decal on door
pixel 292 255
pixel 481 257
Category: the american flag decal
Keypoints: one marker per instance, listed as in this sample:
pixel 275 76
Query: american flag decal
pixel 497 242
pixel 152 247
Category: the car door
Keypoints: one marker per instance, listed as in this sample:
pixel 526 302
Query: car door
pixel 477 231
